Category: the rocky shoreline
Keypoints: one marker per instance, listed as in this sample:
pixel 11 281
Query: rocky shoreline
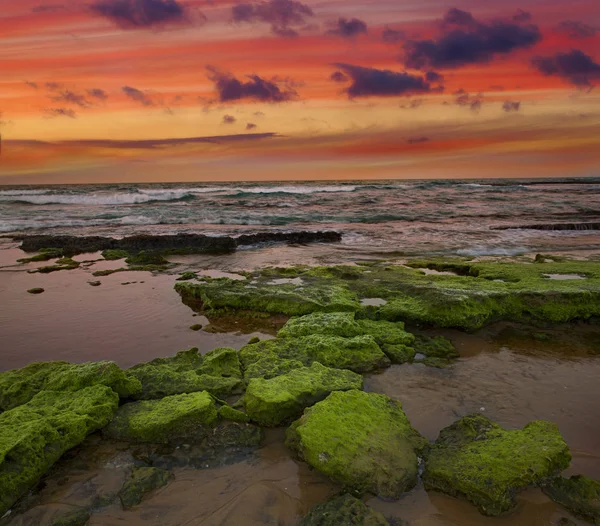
pixel 342 322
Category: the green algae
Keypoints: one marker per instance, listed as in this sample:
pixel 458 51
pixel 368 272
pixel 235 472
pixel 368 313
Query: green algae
pixel 179 417
pixel 363 441
pixel 326 323
pixel 45 254
pixel 434 352
pixel 473 295
pixel 36 290
pixel 64 263
pixel 18 386
pixel 143 480
pixel 77 517
pixel 477 459
pixel 344 510
pixel 359 354
pixel 278 400
pixel 111 254
pixel 196 327
pixel 186 276
pixel 143 258
pixel 579 494
pixel 218 372
pixel 227 412
pixel 34 436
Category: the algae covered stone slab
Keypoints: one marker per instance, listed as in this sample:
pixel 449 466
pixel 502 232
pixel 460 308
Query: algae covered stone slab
pixel 477 459
pixel 33 436
pixel 180 417
pixel 579 494
pixel 142 481
pixel 363 441
pixel 269 358
pixel 21 385
pixel 328 323
pixel 277 400
pixel 345 510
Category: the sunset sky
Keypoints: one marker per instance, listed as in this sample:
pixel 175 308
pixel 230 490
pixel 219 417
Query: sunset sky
pixel 171 90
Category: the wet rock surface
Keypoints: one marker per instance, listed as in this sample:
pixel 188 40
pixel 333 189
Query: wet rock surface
pixel 143 480
pixel 346 510
pixel 579 494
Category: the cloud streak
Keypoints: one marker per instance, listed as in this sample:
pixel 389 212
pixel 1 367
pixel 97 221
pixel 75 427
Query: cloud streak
pixel 140 14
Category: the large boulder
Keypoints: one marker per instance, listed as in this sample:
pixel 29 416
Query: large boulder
pixel 275 401
pixel 344 510
pixel 33 436
pixel 217 372
pixel 477 459
pixel 21 385
pixel 171 419
pixel 363 441
pixel 579 494
pixel 270 358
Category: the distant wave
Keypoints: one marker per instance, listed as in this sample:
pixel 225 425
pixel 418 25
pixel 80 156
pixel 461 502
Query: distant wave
pixel 307 189
pixel 37 224
pixel 22 192
pixel 99 198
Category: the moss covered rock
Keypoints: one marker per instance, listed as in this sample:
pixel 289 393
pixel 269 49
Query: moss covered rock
pixel 76 517
pixel 21 385
pixel 344 510
pixel 113 254
pixel 173 418
pixel 363 441
pixel 226 412
pixel 327 323
pixel 218 372
pixel 435 352
pixel 477 459
pixel 33 436
pixel 144 258
pixel 269 358
pixel 278 400
pixel 579 494
pixel 36 290
pixel 143 480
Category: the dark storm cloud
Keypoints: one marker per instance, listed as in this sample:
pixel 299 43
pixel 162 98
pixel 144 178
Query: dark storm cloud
pixel 230 88
pixel 348 28
pixel 97 93
pixel 392 36
pixel 575 66
pixel 338 76
pixel 139 14
pixel 465 40
pixel 382 82
pixel 137 95
pixel 574 29
pixel 282 15
pixel 229 119
pixel 509 106
pixel 51 113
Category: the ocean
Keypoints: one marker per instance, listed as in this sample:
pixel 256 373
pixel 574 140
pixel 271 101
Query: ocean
pixel 470 218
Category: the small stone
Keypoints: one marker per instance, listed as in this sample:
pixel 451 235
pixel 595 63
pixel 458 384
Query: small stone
pixel 196 327
pixel 36 290
pixel 95 283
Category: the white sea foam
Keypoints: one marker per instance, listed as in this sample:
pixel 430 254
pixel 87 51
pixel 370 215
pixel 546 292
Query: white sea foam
pixel 22 192
pixel 307 189
pixel 100 198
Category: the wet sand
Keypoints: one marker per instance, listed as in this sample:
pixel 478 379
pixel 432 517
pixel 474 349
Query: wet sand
pixel 510 378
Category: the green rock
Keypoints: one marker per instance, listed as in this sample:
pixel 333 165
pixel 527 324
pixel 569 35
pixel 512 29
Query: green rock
pixel 359 354
pixel 326 323
pixel 180 417
pixel 254 339
pixel 196 327
pixel 579 494
pixel 227 412
pixel 287 298
pixel 218 372
pixel 142 481
pixel 278 400
pixel 44 255
pixel 144 258
pixel 477 459
pixel 36 290
pixel 20 385
pixel 185 276
pixel 363 441
pixel 222 361
pixel 343 511
pixel 63 263
pixel 34 436
pixel 438 347
pixel 77 517
pixel 114 254
pixel 399 354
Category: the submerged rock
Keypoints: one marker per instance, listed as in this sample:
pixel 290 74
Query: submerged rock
pixel 18 386
pixel 218 372
pixel 363 441
pixel 142 481
pixel 77 517
pixel 275 401
pixel 435 352
pixel 477 459
pixel 345 510
pixel 579 494
pixel 34 436
pixel 114 254
pixel 173 418
pixel 270 358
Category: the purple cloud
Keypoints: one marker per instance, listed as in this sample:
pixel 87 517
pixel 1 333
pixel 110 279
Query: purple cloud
pixel 338 76
pixel 51 113
pixel 464 40
pixel 137 95
pixel 574 29
pixel 392 36
pixel 509 106
pixel 230 88
pixel 282 15
pixel 140 14
pixel 251 126
pixel 71 97
pixel 229 119
pixel 382 82
pixel 97 93
pixel 575 66
pixel 348 28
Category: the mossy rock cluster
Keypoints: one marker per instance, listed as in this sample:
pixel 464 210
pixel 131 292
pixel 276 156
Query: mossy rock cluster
pixel 217 372
pixel 475 458
pixel 363 441
pixel 345 510
pixel 579 494
pixel 471 296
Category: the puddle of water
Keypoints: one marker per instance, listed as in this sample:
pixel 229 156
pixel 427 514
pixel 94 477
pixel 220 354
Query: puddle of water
pixel 561 277
pixel 373 302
